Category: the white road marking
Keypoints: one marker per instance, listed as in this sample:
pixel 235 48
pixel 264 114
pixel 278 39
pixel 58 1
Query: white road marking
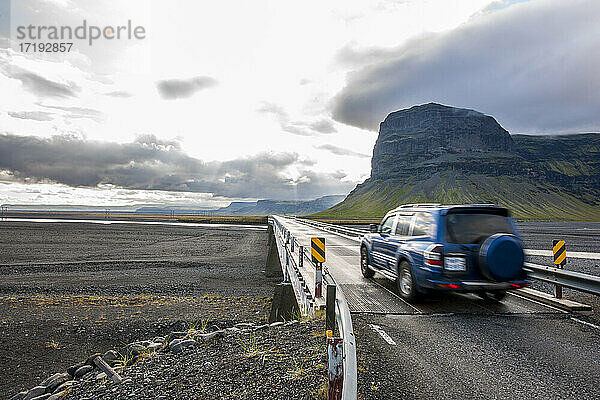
pixel 572 254
pixel 585 323
pixel 383 334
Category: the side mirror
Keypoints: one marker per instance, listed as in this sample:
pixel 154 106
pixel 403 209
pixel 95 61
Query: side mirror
pixel 374 228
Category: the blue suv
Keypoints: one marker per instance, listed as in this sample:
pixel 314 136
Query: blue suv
pixel 467 248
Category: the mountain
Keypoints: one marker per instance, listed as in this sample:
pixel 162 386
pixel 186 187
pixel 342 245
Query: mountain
pixel 255 208
pixel 285 207
pixel 442 154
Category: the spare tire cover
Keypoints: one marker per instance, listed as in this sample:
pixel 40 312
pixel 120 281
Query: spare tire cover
pixel 501 257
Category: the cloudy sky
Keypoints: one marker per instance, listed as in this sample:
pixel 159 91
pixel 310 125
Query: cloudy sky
pixel 229 100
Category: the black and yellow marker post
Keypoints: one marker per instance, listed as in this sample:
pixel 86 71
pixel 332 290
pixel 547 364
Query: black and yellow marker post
pixel 317 253
pixel 559 250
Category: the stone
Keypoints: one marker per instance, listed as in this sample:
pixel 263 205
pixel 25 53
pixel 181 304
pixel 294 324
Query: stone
pixel 50 378
pixel 243 325
pixel 83 370
pixel 205 337
pixel 110 357
pixel 158 339
pixel 261 327
pixel 212 328
pixel 90 359
pixel 184 344
pixel 155 346
pixel 58 395
pixel 71 370
pixel 132 350
pixel 18 396
pixel 42 397
pixel 174 342
pixel 274 324
pixel 101 376
pixel 176 335
pixel 63 387
pixel 35 392
pixel 57 381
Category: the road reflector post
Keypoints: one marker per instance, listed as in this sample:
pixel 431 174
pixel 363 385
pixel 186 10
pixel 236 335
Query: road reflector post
pixel 292 244
pixel 330 308
pixel 317 252
pixel 559 250
pixel 300 257
pixel 335 368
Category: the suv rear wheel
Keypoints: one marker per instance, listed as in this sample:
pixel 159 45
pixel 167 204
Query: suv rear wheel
pixel 406 282
pixel 364 263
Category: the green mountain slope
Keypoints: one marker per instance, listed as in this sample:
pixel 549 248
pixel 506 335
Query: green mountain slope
pixel 539 178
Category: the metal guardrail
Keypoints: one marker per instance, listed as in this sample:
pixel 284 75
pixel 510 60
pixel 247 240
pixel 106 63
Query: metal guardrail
pixel 570 279
pixel 342 315
pixel 289 266
pixel 344 322
pixel 344 230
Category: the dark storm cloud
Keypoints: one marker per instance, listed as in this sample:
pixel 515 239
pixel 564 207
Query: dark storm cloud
pixel 300 128
pixel 533 66
pixel 33 115
pixel 340 151
pixel 171 89
pixel 150 163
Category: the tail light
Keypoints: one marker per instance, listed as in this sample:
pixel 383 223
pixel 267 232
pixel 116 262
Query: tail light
pixel 433 256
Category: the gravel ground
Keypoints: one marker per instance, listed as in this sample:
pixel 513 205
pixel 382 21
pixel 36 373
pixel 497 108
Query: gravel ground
pixel 68 290
pixel 274 363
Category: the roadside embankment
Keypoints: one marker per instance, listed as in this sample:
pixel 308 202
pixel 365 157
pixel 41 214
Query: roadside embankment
pixel 68 290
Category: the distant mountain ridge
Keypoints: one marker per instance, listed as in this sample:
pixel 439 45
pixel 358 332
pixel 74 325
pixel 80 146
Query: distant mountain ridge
pixel 260 207
pixel 437 153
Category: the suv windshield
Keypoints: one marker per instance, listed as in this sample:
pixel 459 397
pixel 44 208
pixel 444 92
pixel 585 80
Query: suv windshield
pixel 475 228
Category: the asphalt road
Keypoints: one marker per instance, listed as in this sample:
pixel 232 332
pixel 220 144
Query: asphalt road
pixel 458 346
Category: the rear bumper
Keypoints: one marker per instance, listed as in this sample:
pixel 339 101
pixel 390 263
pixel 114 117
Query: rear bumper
pixel 474 286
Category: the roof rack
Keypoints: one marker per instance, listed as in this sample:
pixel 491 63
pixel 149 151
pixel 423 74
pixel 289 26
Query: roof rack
pixel 422 205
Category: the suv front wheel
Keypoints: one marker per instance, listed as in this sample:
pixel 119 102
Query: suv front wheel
pixel 406 282
pixel 364 263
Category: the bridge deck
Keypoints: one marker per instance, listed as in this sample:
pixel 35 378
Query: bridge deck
pixel 378 295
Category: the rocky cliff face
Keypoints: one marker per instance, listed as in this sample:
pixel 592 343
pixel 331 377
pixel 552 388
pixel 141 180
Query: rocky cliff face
pixel 434 133
pixel 434 153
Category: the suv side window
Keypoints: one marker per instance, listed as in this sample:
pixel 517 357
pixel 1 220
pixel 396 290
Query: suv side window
pixel 403 226
pixel 422 224
pixel 386 226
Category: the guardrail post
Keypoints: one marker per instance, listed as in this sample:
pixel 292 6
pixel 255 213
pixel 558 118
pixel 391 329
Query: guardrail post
pixel 300 257
pixel 286 274
pixel 292 240
pixel 318 280
pixel 559 250
pixel 335 368
pixel 330 308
